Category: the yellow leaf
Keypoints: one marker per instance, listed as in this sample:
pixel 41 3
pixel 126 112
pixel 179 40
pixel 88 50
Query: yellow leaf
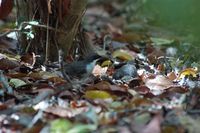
pixel 122 54
pixel 98 94
pixel 187 72
pixel 106 63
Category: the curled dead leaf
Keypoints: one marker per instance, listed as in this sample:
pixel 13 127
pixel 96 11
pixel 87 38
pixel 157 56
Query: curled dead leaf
pixel 28 60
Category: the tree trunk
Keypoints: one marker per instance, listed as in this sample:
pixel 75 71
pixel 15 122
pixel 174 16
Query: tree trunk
pixel 59 21
pixel 71 24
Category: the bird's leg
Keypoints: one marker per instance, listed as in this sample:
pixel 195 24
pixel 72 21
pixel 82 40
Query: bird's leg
pixel 60 60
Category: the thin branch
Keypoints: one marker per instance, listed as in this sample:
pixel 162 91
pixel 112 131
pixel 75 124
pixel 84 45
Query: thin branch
pixel 24 24
pixel 47 41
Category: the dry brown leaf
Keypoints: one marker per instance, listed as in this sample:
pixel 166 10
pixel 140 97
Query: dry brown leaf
pixel 98 70
pixel 129 37
pixel 158 84
pixel 154 125
pixel 28 60
pixel 171 76
pixel 65 112
pixel 108 87
pixel 8 64
pixel 141 102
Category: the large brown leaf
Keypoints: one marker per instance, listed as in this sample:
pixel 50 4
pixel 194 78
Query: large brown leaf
pixel 158 84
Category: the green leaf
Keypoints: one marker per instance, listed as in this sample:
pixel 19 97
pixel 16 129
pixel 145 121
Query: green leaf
pixel 60 126
pixel 142 118
pixel 79 128
pixel 17 82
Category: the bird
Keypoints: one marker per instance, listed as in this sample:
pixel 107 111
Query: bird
pixel 82 68
pixel 128 69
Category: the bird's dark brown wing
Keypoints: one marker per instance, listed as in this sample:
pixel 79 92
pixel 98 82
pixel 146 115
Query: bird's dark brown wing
pixel 75 69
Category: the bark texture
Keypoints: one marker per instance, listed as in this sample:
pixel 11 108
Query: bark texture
pixel 59 22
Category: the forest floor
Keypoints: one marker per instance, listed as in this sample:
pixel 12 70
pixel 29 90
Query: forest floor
pixel 150 83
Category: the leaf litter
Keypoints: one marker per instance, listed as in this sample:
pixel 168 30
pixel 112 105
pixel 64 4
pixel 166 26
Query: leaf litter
pixel 157 92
